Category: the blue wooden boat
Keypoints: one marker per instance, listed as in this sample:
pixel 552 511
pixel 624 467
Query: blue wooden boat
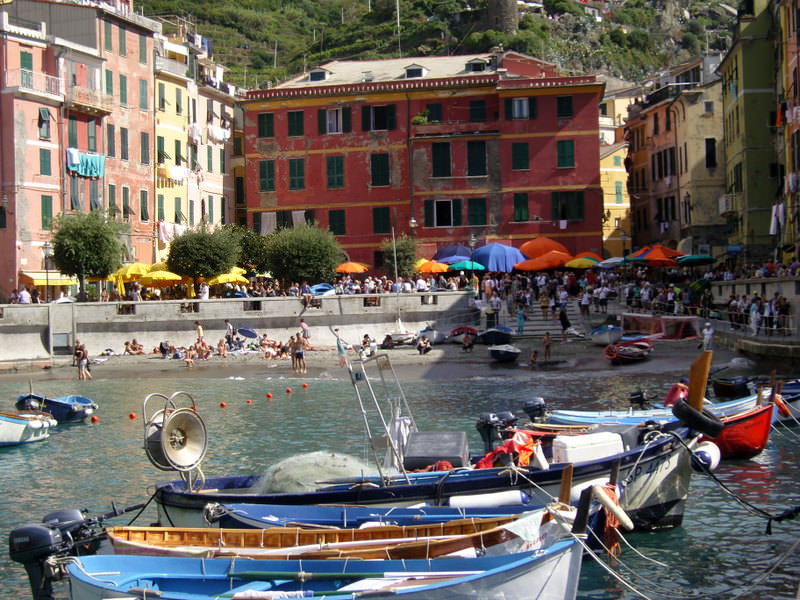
pixel 504 353
pixel 262 516
pixel 511 576
pixel 65 409
pixel 495 336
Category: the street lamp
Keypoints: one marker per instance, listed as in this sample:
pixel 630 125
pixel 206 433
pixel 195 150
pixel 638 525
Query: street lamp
pixel 46 247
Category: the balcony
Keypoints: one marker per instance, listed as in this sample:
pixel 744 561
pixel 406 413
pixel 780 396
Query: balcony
pixel 34 85
pixel 453 128
pixel 89 101
pixel 727 204
pixel 173 67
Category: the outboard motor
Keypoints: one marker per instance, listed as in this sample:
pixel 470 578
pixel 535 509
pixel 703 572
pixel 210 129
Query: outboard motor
pixel 638 399
pixel 536 409
pixel 62 533
pixel 491 427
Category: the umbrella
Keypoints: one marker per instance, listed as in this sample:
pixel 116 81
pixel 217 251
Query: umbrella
pixel 228 278
pixel 549 260
pixel 420 262
pixel 467 265
pixel 159 266
pixel 431 266
pixel 610 263
pixel 498 257
pixel 595 257
pixel 655 256
pixel 541 245
pixel 692 260
pixel 449 251
pixel 352 267
pixel 584 262
pixel 159 278
pixel 132 271
pixel 449 260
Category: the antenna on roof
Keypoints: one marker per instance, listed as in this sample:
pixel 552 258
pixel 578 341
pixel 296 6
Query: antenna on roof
pixel 399 50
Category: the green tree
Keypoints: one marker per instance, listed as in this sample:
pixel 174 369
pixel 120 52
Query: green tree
pixel 203 253
pixel 87 245
pixel 400 251
pixel 305 253
pixel 252 249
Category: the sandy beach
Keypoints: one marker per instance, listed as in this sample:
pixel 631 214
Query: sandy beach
pixel 445 362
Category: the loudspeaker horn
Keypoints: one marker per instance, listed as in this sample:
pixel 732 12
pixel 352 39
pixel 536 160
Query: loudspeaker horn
pixel 184 439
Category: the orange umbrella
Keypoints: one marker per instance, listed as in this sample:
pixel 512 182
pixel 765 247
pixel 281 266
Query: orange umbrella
pixel 541 245
pixel 591 255
pixel 432 266
pixel 655 256
pixel 352 267
pixel 550 260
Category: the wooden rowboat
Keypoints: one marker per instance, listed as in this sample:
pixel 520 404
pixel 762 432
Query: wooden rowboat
pixel 745 435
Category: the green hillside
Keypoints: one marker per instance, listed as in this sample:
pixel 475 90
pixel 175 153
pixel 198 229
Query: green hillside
pixel 267 41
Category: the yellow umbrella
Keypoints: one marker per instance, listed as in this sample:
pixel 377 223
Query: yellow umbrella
pixel 159 278
pixel 159 266
pixel 420 262
pixel 132 271
pixel 581 263
pixel 228 278
pixel 237 271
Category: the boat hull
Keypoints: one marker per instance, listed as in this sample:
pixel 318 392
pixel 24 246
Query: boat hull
pixel 23 428
pixel 495 337
pixel 603 336
pixel 656 474
pixel 745 435
pixel 551 575
pixel 504 353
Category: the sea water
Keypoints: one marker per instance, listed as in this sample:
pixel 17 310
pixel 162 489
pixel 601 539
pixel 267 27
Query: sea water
pixel 720 551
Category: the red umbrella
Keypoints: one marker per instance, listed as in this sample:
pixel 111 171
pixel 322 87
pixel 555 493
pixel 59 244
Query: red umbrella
pixel 655 256
pixel 550 260
pixel 541 245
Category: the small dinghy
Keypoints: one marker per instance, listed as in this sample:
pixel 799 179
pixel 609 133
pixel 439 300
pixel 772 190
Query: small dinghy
pixel 65 409
pixel 495 336
pixel 606 334
pixel 504 353
pixel 628 352
pixel 24 427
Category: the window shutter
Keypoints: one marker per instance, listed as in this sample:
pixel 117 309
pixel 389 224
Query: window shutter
pixel 366 113
pixel 346 120
pixel 429 213
pixel 321 118
pixel 391 111
pixel 555 205
pixel 509 103
pixel 456 212
pixel 532 108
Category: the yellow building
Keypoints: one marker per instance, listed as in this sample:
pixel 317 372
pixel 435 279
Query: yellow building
pixel 173 168
pixel 616 203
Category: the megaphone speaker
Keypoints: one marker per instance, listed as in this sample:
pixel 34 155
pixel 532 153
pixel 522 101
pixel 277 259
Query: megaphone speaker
pixel 184 439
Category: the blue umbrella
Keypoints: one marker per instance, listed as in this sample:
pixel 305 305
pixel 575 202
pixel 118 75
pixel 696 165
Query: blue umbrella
pixel 448 251
pixel 498 257
pixel 454 259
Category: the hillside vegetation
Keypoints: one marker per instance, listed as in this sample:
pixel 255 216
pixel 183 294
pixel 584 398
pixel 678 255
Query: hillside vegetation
pixel 267 41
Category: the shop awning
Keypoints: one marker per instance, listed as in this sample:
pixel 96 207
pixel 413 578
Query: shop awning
pixel 45 278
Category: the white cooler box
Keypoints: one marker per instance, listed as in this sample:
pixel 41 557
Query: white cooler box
pixel 590 446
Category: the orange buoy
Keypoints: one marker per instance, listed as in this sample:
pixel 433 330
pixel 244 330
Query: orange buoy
pixel 132 416
pixel 288 390
pixel 269 395
pixel 305 386
pixel 95 419
pixel 223 404
pixel 249 401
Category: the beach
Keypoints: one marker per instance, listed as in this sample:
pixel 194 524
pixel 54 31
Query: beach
pixel 445 362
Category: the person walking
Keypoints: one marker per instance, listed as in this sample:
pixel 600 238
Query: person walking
pixel 305 331
pixel 565 324
pixel 229 333
pixel 708 337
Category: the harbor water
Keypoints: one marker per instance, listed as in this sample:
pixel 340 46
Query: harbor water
pixel 720 551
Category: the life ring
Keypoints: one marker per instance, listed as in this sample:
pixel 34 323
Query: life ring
pixel 611 506
pixel 705 422
pixel 783 408
pixel 611 352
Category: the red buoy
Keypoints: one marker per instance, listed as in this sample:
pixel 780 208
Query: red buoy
pixel 132 416
pixel 249 401
pixel 95 419
pixel 305 386
pixel 269 395
pixel 223 404
pixel 288 390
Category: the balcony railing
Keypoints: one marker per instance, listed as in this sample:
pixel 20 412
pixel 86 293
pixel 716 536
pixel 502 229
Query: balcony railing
pixel 34 82
pixel 727 204
pixel 167 65
pixel 89 100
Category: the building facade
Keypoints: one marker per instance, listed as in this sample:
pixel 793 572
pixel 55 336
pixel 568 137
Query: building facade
pixel 616 202
pixel 459 149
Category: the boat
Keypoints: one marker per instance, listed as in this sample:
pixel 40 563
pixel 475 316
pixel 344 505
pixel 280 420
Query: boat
pixel 24 427
pixel 434 335
pixel 65 409
pixel 260 516
pixel 653 497
pixel 746 434
pixel 606 334
pixel 495 336
pixel 551 573
pixel 628 352
pixel 741 385
pixel 457 334
pixel 504 353
pixel 464 536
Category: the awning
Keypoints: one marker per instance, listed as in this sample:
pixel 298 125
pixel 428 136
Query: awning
pixel 45 278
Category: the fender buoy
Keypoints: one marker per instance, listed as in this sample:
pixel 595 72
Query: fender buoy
pixel 706 457
pixel 783 408
pixel 705 422
pixel 600 493
pixel 611 352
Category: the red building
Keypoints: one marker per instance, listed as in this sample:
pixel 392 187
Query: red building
pixel 453 149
